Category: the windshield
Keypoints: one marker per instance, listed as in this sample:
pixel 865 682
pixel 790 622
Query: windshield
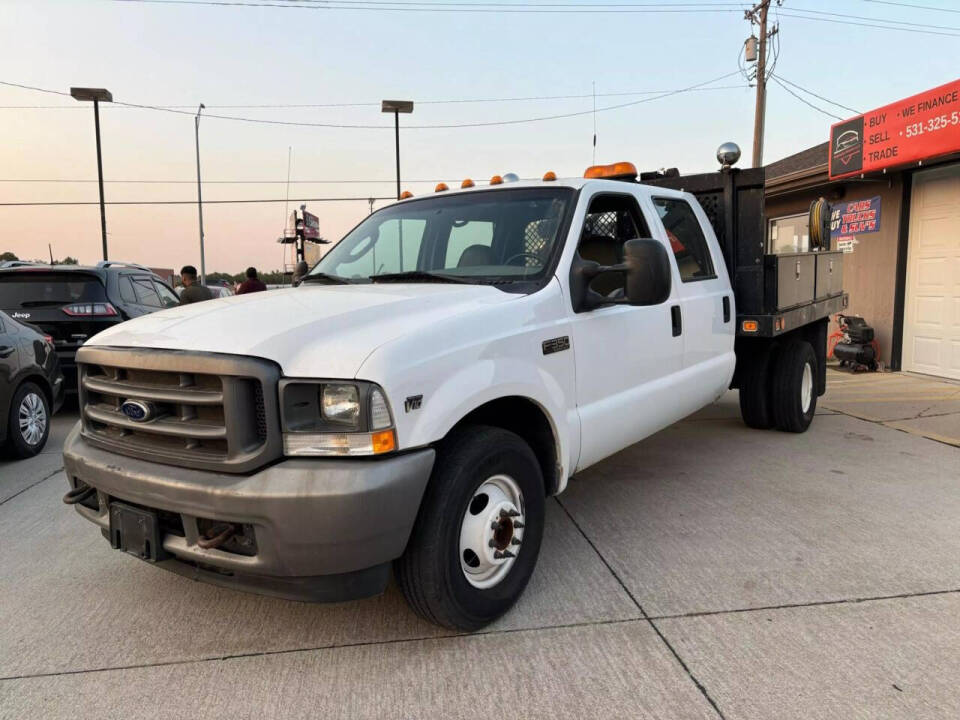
pixel 35 289
pixel 501 236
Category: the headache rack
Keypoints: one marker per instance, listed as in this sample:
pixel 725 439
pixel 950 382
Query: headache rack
pixel 775 293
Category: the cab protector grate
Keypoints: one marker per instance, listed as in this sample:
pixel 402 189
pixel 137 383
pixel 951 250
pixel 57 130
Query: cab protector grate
pixel 208 411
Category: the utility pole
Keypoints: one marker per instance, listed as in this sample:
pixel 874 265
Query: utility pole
pixel 196 127
pixel 758 14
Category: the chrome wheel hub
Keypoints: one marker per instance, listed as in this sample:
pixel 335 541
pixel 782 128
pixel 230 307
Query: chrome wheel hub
pixel 806 388
pixel 32 417
pixel 491 533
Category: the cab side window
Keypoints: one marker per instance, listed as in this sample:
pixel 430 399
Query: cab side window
pixel 611 220
pixel 686 239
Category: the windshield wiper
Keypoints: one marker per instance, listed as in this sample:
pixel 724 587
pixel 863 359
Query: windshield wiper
pixel 335 279
pixel 419 276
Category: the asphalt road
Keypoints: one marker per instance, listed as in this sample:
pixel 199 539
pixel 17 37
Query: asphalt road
pixel 709 572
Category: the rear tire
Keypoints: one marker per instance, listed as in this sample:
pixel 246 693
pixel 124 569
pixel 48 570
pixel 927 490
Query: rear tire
pixel 755 389
pixel 794 387
pixel 435 572
pixel 28 421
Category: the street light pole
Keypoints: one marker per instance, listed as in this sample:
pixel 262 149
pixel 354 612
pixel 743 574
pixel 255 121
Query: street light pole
pixel 96 95
pixel 196 127
pixel 396 107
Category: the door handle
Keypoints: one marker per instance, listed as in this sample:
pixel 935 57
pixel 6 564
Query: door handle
pixel 6 351
pixel 726 308
pixel 677 319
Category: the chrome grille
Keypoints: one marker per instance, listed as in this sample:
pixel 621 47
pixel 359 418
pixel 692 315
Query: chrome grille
pixel 215 412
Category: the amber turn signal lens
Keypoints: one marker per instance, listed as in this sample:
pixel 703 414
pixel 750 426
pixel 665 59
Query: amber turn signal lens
pixel 749 326
pixel 383 442
pixel 549 175
pixel 406 194
pixel 496 180
pixel 441 187
pixel 468 183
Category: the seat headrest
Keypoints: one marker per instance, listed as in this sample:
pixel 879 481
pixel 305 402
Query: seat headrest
pixel 475 255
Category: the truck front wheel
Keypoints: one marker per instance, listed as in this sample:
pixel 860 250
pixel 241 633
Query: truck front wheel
pixel 477 536
pixel 794 387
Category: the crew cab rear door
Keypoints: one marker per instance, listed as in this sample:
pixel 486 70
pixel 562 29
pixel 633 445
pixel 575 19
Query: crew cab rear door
pixel 705 318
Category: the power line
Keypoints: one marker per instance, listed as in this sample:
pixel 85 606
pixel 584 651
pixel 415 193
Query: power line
pixel 490 123
pixel 869 25
pixel 804 100
pixel 821 97
pixel 227 182
pixel 581 96
pixel 910 5
pixel 461 7
pixel 190 202
pixel 874 19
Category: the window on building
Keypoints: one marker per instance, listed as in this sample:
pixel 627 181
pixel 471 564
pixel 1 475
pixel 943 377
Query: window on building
pixel 789 234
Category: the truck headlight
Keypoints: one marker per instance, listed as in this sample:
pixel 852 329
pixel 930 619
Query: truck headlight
pixel 335 418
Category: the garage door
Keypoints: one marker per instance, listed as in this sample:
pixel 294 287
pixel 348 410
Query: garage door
pixel 931 333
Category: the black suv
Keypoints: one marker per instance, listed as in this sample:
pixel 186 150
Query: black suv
pixel 72 303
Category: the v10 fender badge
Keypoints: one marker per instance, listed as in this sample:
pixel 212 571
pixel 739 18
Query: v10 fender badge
pixel 412 403
pixel 554 345
pixel 139 410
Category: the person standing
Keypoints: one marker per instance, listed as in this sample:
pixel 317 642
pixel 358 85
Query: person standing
pixel 251 284
pixel 192 291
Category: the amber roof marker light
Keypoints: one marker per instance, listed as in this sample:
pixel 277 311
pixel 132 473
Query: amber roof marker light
pixel 614 171
pixel 549 176
pixel 441 187
pixel 468 183
pixel 496 180
pixel 406 194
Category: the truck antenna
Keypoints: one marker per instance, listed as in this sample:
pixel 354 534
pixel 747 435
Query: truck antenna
pixel 594 84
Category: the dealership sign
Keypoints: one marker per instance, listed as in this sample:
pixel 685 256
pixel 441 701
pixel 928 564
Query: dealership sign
pixel 311 226
pixel 920 127
pixel 855 218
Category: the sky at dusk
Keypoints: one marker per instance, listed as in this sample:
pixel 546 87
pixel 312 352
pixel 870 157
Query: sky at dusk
pixel 182 54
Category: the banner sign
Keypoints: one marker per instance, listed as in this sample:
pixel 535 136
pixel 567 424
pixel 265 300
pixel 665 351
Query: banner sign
pixel 311 226
pixel 917 128
pixel 855 218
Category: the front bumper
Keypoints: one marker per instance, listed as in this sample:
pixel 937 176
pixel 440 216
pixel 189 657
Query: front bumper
pixel 325 529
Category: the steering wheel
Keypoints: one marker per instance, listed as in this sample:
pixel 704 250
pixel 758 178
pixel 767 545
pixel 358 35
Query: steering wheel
pixel 521 255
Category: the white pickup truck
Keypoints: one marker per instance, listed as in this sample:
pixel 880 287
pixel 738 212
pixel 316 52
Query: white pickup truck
pixel 446 367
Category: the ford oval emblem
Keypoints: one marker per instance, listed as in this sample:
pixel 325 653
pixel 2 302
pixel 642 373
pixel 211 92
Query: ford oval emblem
pixel 139 410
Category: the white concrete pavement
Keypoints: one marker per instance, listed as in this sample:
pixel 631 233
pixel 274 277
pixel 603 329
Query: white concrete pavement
pixel 709 572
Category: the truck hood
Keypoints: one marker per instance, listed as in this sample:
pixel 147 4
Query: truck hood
pixel 310 331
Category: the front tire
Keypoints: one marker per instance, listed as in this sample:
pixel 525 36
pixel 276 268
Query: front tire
pixel 477 536
pixel 794 387
pixel 28 421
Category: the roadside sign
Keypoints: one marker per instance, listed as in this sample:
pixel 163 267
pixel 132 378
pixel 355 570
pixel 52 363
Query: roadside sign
pixel 311 226
pixel 857 217
pixel 920 127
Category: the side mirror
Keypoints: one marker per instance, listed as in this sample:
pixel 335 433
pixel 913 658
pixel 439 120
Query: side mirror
pixel 648 279
pixel 646 271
